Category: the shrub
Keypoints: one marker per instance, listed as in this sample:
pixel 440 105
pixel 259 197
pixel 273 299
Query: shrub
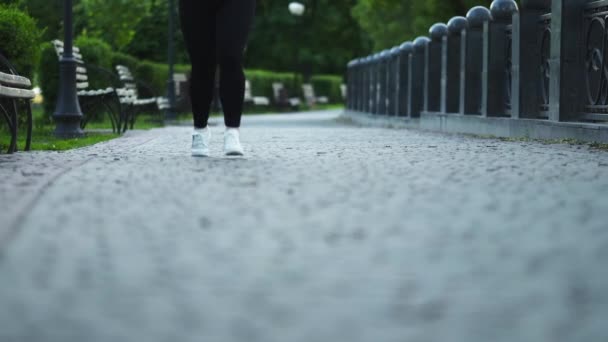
pixel 155 75
pixel 48 73
pixel 19 39
pixel 96 54
pixel 261 82
pixel 95 51
pixel 328 85
pixel 119 58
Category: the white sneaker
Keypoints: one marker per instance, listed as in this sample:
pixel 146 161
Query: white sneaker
pixel 232 143
pixel 200 142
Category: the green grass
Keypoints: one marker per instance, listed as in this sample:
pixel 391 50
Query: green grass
pixel 44 140
pixel 329 106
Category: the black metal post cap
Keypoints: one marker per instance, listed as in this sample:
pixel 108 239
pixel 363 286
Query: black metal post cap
pixel 456 25
pixel 407 47
pixel 420 43
pixel 394 51
pixel 438 31
pixel 383 54
pixel 503 9
pixel 478 15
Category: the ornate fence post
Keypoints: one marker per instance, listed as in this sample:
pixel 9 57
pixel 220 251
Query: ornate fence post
pixel 373 76
pixel 365 87
pixel 365 106
pixel 379 80
pixel 367 71
pixel 371 79
pixel 531 47
pixel 432 87
pixel 355 95
pixel 471 61
pixel 393 75
pixel 349 82
pixel 379 66
pixel 416 82
pixel 450 65
pixel 405 54
pixel 574 70
pixel 381 96
pixel 388 85
pixel 496 83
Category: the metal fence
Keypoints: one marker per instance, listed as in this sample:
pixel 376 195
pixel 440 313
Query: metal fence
pixel 541 59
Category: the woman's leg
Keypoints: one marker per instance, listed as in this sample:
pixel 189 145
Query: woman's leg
pixel 234 21
pixel 199 33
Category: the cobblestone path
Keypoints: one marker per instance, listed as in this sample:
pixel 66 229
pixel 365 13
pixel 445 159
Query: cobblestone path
pixel 325 232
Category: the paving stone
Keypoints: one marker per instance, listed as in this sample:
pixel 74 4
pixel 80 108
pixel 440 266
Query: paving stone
pixel 323 232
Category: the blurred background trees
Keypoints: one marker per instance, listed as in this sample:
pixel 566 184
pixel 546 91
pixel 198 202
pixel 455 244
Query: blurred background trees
pixel 322 41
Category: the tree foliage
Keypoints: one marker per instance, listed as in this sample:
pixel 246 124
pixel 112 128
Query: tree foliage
pixel 330 33
pixel 112 20
pixel 321 41
pixel 151 35
pixel 19 39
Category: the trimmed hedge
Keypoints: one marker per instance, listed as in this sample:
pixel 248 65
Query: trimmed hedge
pixel 261 82
pixel 328 85
pixel 48 74
pixel 155 75
pixel 119 58
pixel 19 39
pixel 95 51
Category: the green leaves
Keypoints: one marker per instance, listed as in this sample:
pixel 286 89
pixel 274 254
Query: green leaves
pixel 321 41
pixel 113 20
pixel 19 39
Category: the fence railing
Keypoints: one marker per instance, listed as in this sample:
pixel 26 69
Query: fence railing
pixel 541 59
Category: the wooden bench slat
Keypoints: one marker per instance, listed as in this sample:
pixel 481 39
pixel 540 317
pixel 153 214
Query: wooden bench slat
pixel 16 93
pixel 14 80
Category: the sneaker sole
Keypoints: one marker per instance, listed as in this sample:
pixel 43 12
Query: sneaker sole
pixel 235 154
pixel 200 154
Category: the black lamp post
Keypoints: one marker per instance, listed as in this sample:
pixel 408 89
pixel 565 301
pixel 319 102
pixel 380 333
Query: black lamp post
pixel 68 114
pixel 297 9
pixel 170 112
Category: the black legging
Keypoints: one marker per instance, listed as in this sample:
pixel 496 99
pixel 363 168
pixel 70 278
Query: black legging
pixel 216 32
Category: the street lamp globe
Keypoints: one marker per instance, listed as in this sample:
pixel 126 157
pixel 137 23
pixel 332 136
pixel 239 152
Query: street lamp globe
pixel 297 8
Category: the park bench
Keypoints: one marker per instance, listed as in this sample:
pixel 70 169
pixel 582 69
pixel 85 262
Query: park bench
pixel 15 94
pixel 107 98
pixel 129 96
pixel 254 100
pixel 309 95
pixel 282 99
